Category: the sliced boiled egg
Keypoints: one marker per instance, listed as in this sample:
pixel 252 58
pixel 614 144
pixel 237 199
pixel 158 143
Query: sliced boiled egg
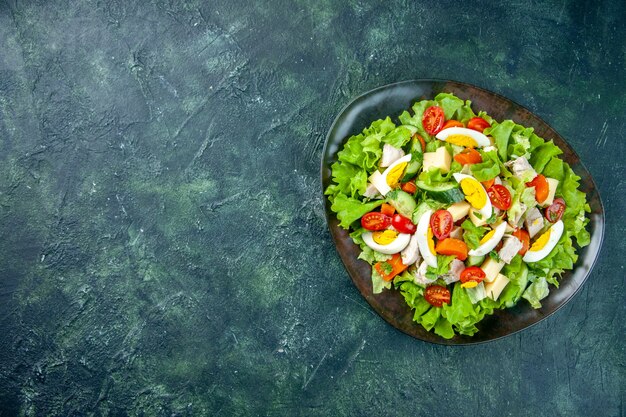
pixel 390 178
pixel 545 243
pixel 386 241
pixel 489 241
pixel 475 193
pixel 425 242
pixel 462 136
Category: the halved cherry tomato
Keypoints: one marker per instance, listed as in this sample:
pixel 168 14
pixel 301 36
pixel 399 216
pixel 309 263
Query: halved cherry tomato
pixel 524 237
pixel 500 197
pixel 452 123
pixel 555 211
pixel 478 123
pixel 468 156
pixel 487 184
pixel 375 221
pixel 422 141
pixel 472 274
pixel 433 119
pixel 387 209
pixel 436 295
pixel 451 246
pixel 441 223
pixel 541 188
pixel 409 187
pixel 403 224
pixel 396 267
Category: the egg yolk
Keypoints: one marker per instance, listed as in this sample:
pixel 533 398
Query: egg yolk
pixel 462 140
pixel 487 237
pixel 384 237
pixel 541 242
pixel 431 242
pixel 474 192
pixel 394 175
pixel 469 284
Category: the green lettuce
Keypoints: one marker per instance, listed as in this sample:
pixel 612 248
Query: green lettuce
pixel 398 137
pixel 472 234
pixel 543 154
pixel 536 292
pixel 350 209
pixel 378 283
pixel 500 132
pixel 489 168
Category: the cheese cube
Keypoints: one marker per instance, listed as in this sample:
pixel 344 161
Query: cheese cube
pixel 552 184
pixel 491 268
pixel 459 210
pixel 439 159
pixel 494 289
pixel 476 220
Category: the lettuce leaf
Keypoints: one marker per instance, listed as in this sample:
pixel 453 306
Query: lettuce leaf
pixel 489 168
pixel 398 137
pixel 378 283
pixel 350 179
pixel 472 234
pixel 536 292
pixel 543 154
pixel 350 209
pixel 500 132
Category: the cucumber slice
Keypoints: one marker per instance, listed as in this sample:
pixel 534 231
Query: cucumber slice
pixel 475 260
pixel 402 201
pixel 447 192
pixel 414 166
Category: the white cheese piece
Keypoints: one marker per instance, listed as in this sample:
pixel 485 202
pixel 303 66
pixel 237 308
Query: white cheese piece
pixel 459 210
pixel 491 268
pixel 494 289
pixel 380 182
pixel 439 159
pixel 552 184
pixel 390 155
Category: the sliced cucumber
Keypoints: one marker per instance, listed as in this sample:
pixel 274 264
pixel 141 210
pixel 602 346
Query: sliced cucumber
pixel 402 201
pixel 475 260
pixel 447 192
pixel 414 166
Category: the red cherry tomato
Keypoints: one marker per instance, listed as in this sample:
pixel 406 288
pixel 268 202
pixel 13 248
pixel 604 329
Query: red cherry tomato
pixel 555 211
pixel 375 221
pixel 500 197
pixel 541 188
pixel 403 224
pixel 452 123
pixel 441 223
pixel 436 295
pixel 433 119
pixel 472 273
pixel 524 237
pixel 468 156
pixel 478 123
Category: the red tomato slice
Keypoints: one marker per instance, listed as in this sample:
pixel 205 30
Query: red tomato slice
pixel 403 224
pixel 472 273
pixel 436 295
pixel 441 223
pixel 433 119
pixel 452 123
pixel 375 221
pixel 468 156
pixel 524 237
pixel 478 123
pixel 409 187
pixel 541 188
pixel 500 197
pixel 555 211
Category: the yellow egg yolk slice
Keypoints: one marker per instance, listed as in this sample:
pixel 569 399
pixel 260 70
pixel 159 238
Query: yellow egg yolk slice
pixel 469 284
pixel 487 237
pixel 384 237
pixel 431 242
pixel 474 193
pixel 541 242
pixel 462 140
pixel 394 175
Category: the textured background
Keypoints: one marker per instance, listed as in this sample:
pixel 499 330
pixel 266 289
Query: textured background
pixel 163 247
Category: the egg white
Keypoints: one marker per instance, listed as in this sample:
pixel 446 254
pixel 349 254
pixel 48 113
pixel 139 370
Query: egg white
pixel 489 245
pixel 485 210
pixel 380 180
pixel 480 139
pixel 396 246
pixel 556 231
pixel 422 239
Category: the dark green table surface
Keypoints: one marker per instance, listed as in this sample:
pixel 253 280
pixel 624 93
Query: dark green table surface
pixel 163 246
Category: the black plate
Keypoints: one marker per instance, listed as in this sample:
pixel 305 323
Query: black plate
pixel 391 100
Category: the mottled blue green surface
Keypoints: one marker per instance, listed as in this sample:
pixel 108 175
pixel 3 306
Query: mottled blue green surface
pixel 164 249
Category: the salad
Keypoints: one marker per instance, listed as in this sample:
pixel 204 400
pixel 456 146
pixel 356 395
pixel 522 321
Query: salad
pixel 459 212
